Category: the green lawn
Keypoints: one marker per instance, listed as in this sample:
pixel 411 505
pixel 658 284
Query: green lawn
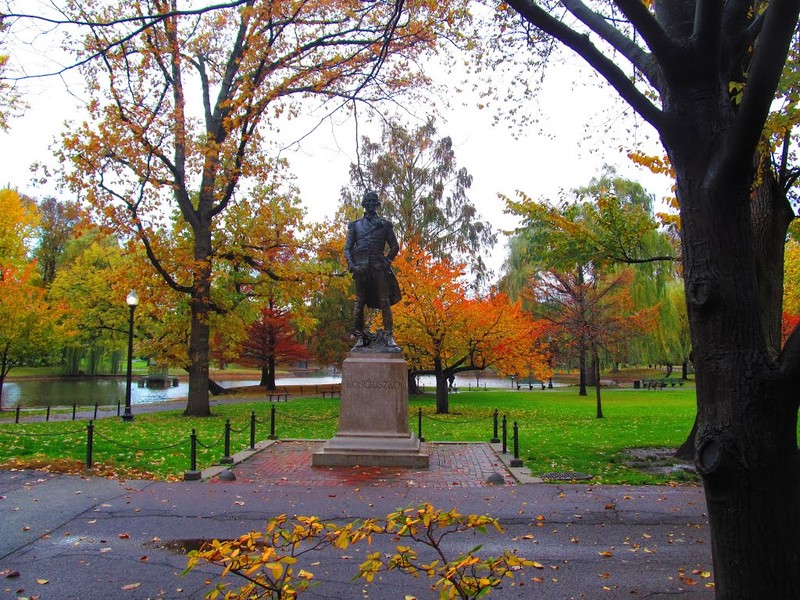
pixel 558 431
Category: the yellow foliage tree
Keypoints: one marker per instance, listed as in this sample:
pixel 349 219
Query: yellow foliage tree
pixel 183 105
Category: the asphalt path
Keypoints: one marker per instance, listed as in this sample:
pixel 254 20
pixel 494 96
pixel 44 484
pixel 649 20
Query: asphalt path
pixel 65 537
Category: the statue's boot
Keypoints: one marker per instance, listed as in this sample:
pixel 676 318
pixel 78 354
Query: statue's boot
pixel 388 323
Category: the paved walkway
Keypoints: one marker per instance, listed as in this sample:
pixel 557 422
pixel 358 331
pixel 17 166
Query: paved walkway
pixel 86 538
pixel 451 465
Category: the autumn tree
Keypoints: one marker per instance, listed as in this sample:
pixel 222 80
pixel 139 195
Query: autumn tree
pixel 685 55
pixel 272 340
pixel 18 221
pixel 590 311
pixel 423 192
pixel 444 332
pixel 57 225
pixel 566 259
pixel 183 102
pixel 27 322
pixel 28 327
pixel 92 283
pixel 329 302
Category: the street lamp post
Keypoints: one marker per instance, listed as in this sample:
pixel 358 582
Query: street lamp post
pixel 132 299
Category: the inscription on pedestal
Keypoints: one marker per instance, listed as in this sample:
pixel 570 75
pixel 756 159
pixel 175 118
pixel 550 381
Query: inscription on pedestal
pixel 373 415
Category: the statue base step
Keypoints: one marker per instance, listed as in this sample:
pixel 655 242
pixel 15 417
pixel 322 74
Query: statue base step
pixel 373 416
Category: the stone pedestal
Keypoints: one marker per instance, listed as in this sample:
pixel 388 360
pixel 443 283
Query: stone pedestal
pixel 373 418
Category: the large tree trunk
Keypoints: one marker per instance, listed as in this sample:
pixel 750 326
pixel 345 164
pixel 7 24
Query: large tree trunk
pixel 442 403
pixel 771 215
pixel 197 404
pixel 746 444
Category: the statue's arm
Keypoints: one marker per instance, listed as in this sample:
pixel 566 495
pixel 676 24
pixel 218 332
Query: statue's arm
pixel 349 243
pixel 391 240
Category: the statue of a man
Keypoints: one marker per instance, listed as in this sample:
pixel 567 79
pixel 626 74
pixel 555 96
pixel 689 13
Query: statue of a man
pixel 370 247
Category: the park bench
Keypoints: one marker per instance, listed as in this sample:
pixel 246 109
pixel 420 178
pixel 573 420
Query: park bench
pixel 653 384
pixel 658 384
pixel 530 384
pixel 278 393
pixel 282 392
pixel 331 389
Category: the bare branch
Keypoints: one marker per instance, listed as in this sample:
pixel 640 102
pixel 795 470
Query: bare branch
pixel 583 46
pixel 765 71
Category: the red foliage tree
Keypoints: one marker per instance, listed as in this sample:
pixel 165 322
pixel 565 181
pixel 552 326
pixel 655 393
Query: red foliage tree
pixel 271 340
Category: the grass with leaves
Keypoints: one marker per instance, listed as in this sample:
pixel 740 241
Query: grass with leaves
pixel 558 431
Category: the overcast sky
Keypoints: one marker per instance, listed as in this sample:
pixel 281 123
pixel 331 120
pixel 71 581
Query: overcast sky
pixel 579 130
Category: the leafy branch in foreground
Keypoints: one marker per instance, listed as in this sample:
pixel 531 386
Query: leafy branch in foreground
pixel 267 560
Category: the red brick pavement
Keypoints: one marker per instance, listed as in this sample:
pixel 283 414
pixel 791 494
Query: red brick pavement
pixel 451 466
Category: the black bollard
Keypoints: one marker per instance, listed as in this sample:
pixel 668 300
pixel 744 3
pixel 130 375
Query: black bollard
pixel 272 423
pixel 89 444
pixel 47 418
pixel 95 410
pixel 192 474
pixel 419 425
pixel 227 459
pixel 193 458
pixel 16 419
pixel 119 405
pixel 516 461
pixel 73 410
pixel 495 439
pixel 253 430
pixel 505 435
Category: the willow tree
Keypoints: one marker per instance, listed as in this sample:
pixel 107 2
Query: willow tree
pixel 183 102
pixel 684 55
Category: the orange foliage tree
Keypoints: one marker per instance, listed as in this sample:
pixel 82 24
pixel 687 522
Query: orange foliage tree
pixel 28 324
pixel 180 111
pixel 444 332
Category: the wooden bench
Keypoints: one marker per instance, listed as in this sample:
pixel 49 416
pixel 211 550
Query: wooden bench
pixel 660 384
pixel 332 390
pixel 324 390
pixel 530 384
pixel 652 384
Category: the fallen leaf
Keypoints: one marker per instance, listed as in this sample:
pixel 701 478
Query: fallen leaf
pixel 131 586
pixel 42 581
pixel 537 565
pixel 123 536
pixel 605 553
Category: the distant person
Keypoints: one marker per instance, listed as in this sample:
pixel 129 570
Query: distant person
pixel 369 250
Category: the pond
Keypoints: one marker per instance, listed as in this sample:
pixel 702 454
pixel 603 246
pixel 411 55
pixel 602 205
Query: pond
pixel 110 390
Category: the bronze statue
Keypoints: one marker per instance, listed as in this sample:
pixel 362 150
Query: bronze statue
pixel 370 247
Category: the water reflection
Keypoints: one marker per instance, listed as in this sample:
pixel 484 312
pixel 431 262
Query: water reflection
pixel 105 391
